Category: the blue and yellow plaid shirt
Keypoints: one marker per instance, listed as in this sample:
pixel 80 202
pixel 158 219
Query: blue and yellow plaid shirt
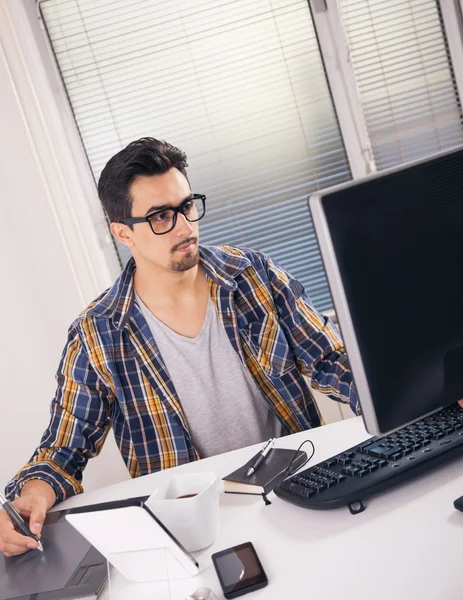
pixel 112 374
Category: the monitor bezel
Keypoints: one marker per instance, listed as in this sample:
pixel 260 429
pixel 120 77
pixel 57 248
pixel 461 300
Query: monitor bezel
pixel 315 203
pixel 342 312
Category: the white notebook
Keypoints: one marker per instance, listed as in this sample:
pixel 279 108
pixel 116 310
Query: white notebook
pixel 133 540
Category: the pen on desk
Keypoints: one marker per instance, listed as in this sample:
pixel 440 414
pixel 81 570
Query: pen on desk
pixel 18 521
pixel 260 457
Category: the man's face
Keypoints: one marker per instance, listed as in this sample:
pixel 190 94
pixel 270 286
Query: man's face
pixel 176 250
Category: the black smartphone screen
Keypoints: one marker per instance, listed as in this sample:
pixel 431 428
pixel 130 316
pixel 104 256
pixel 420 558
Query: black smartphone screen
pixel 239 570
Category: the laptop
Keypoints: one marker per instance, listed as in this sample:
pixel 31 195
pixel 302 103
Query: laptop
pixel 69 568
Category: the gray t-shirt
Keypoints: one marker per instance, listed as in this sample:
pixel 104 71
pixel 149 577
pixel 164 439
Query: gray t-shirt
pixel 224 407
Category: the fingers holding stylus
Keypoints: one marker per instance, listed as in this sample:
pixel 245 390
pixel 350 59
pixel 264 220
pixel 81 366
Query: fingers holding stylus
pixel 33 508
pixel 30 508
pixel 12 542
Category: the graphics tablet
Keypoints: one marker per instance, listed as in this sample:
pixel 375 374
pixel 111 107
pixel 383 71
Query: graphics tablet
pixel 68 568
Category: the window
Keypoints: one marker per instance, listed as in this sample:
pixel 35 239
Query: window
pixel 399 54
pixel 238 85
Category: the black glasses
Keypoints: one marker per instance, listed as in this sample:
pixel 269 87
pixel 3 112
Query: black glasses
pixel 164 220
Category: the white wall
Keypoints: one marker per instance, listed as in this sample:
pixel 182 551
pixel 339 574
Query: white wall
pixel 39 297
pixel 44 276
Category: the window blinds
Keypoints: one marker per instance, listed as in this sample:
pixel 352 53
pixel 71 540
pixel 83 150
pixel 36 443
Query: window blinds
pixel 238 85
pixel 401 63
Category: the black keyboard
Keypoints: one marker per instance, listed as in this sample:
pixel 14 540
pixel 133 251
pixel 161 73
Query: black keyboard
pixel 377 464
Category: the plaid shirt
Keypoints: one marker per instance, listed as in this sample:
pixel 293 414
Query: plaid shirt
pixel 112 374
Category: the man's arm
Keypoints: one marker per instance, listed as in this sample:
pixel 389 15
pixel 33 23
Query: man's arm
pixel 78 427
pixel 314 339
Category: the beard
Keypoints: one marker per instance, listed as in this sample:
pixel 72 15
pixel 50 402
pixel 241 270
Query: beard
pixel 186 262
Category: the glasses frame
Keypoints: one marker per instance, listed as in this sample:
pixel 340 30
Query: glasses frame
pixel 175 209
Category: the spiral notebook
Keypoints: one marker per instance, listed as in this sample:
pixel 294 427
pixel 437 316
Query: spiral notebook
pixel 268 476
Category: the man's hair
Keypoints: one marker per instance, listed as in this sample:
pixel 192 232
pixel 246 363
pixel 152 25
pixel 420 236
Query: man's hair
pixel 143 157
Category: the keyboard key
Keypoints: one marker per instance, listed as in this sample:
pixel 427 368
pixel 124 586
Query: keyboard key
pixel 315 479
pixel 363 465
pixel 318 487
pixel 331 474
pixel 364 447
pixel 362 473
pixel 329 483
pixel 297 489
pixel 308 493
pixel 350 470
pixel 367 447
pixel 378 450
pixel 304 481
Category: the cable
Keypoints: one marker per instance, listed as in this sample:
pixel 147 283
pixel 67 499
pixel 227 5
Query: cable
pixel 287 474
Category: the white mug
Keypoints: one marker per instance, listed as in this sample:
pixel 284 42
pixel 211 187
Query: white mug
pixel 188 505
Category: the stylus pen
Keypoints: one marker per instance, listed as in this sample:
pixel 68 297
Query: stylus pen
pixel 18 521
pixel 260 457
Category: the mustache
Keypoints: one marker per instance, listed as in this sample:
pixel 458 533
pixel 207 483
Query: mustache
pixel 189 240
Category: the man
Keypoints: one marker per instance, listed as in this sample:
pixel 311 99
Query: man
pixel 194 350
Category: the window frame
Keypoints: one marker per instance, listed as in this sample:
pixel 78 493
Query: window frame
pixel 452 16
pixel 341 81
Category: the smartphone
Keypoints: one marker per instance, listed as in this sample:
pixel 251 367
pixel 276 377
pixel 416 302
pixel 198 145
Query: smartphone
pixel 239 570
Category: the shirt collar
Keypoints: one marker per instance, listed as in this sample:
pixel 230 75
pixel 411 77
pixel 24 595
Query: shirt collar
pixel 222 264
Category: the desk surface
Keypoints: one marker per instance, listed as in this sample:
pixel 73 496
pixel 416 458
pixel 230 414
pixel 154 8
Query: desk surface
pixel 406 544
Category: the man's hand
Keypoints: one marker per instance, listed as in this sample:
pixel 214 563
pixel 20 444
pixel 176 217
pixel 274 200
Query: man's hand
pixel 460 402
pixel 35 499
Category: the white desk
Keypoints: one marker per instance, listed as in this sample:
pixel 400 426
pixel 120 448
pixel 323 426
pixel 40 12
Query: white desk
pixel 405 546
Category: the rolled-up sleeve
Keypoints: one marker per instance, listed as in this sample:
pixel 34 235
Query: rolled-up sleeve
pixel 77 429
pixel 314 339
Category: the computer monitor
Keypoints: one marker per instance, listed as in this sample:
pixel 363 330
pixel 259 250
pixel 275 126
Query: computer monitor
pixel 392 246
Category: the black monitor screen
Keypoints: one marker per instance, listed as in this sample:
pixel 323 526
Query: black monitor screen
pixel 398 243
